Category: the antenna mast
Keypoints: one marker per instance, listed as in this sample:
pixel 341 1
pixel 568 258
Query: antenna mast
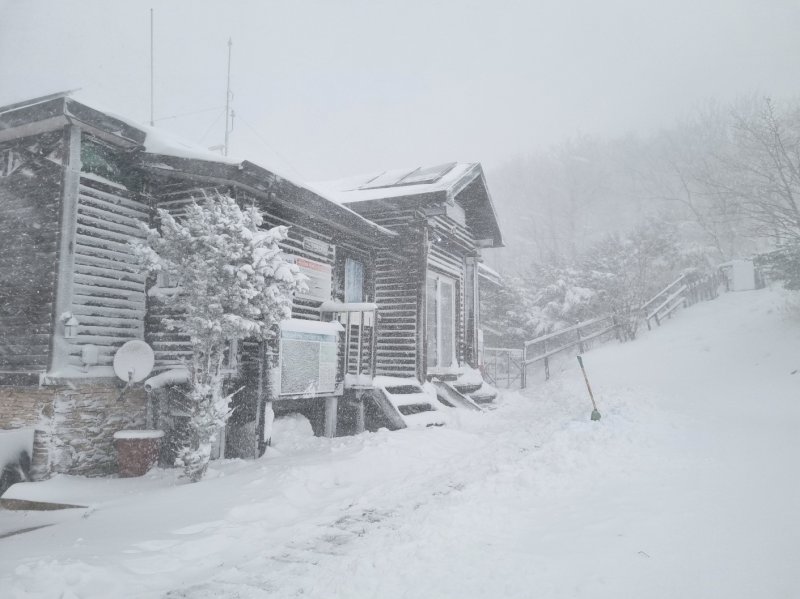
pixel 228 113
pixel 152 120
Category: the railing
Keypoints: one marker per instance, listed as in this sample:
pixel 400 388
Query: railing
pixel 502 366
pixel 579 336
pixel 357 345
pixel 683 291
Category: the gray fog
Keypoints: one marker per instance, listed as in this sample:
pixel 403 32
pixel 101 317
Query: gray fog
pixel 328 88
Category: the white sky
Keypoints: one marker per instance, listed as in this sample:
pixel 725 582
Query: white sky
pixel 341 87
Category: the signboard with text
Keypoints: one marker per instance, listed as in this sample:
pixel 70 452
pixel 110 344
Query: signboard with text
pixel 319 278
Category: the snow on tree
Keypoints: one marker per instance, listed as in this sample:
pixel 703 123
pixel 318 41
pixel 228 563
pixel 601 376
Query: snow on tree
pixel 615 276
pixel 234 284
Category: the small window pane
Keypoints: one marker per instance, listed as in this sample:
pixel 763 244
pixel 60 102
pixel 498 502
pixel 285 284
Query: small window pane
pixel 430 322
pixel 448 323
pixel 353 281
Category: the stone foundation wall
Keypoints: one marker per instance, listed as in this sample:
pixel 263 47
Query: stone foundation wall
pixel 75 423
pixel 30 407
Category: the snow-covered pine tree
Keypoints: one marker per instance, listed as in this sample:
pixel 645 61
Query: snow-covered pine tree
pixel 234 284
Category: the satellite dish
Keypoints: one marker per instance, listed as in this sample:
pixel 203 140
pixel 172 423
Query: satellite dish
pixel 134 361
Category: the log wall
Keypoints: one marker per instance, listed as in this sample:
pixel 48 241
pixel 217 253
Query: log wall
pixel 108 290
pixel 29 222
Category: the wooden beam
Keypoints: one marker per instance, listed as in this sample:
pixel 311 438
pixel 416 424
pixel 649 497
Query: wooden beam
pixel 66 246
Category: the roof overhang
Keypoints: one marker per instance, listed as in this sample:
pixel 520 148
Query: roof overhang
pixel 51 113
pixel 471 192
pixel 262 183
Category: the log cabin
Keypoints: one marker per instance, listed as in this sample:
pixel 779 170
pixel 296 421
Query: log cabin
pixel 427 280
pixel 391 304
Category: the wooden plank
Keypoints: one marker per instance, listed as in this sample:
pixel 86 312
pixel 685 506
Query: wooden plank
pixel 112 208
pixel 115 198
pixel 113 255
pixel 108 227
pixel 91 300
pixel 104 270
pixel 107 281
pixel 107 340
pixel 122 248
pixel 66 252
pixel 98 291
pixel 110 215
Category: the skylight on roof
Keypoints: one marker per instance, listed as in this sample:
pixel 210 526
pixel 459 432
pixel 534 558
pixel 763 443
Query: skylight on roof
pixel 386 179
pixel 417 176
pixel 427 175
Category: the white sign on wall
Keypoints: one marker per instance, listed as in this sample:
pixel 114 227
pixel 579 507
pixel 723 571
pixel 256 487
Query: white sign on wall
pixel 319 278
pixel 316 246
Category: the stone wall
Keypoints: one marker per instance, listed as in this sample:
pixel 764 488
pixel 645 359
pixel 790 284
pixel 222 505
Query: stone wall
pixel 74 423
pixel 30 407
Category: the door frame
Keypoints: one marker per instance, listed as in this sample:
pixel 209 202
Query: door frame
pixel 438 367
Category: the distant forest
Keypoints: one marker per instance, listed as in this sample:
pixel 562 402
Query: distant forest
pixel 725 180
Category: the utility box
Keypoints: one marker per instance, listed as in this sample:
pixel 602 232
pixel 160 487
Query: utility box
pixel 309 360
pixel 741 274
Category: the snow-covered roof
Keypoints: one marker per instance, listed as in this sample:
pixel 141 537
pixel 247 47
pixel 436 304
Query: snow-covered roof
pixel 488 273
pixel 395 183
pixel 56 110
pixel 439 183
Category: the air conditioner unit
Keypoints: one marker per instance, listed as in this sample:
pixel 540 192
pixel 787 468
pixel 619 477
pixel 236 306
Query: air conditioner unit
pixel 309 359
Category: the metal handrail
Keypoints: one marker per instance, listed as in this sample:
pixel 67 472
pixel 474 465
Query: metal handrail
pixel 354 314
pixel 664 291
pixel 580 341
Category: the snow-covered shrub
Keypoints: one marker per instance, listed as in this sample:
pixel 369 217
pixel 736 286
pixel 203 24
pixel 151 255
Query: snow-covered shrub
pixel 782 265
pixel 614 276
pixel 626 271
pixel 233 284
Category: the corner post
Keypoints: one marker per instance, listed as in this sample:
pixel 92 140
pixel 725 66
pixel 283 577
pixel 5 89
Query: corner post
pixel 59 356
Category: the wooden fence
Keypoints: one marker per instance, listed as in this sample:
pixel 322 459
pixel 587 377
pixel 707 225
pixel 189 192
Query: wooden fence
pixel 579 336
pixel 683 291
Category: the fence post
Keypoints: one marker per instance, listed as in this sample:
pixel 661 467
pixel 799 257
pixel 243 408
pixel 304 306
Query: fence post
pixel 508 369
pixel 523 378
pixel 546 361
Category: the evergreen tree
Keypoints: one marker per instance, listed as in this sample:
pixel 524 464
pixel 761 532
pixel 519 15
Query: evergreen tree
pixel 233 284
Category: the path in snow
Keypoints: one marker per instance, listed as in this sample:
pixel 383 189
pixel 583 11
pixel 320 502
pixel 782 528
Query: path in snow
pixel 685 488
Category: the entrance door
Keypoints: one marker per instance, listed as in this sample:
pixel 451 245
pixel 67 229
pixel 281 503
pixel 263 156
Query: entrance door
pixel 440 321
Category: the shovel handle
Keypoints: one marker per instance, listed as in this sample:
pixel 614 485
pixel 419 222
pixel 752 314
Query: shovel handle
pixel 586 378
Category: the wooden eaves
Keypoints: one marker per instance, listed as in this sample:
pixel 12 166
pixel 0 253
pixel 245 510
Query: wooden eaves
pixel 270 187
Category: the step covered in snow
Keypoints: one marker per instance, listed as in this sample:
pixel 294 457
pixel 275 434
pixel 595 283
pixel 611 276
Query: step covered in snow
pixel 405 403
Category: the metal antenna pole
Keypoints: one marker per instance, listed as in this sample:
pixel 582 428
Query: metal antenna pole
pixel 228 102
pixel 152 59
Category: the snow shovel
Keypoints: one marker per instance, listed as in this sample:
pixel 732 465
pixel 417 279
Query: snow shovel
pixel 595 413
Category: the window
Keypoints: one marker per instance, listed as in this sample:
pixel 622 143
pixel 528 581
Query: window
pixel 440 321
pixel 353 281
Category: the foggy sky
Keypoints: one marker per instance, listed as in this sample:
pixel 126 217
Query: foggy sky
pixel 331 88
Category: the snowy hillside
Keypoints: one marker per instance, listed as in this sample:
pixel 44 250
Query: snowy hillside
pixel 687 487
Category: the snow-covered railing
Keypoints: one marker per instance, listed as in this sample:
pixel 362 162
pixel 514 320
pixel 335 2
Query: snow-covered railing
pixel 683 291
pixel 577 336
pixel 359 342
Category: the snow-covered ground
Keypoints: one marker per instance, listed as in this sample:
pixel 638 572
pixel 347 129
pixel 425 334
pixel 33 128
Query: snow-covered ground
pixel 687 487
